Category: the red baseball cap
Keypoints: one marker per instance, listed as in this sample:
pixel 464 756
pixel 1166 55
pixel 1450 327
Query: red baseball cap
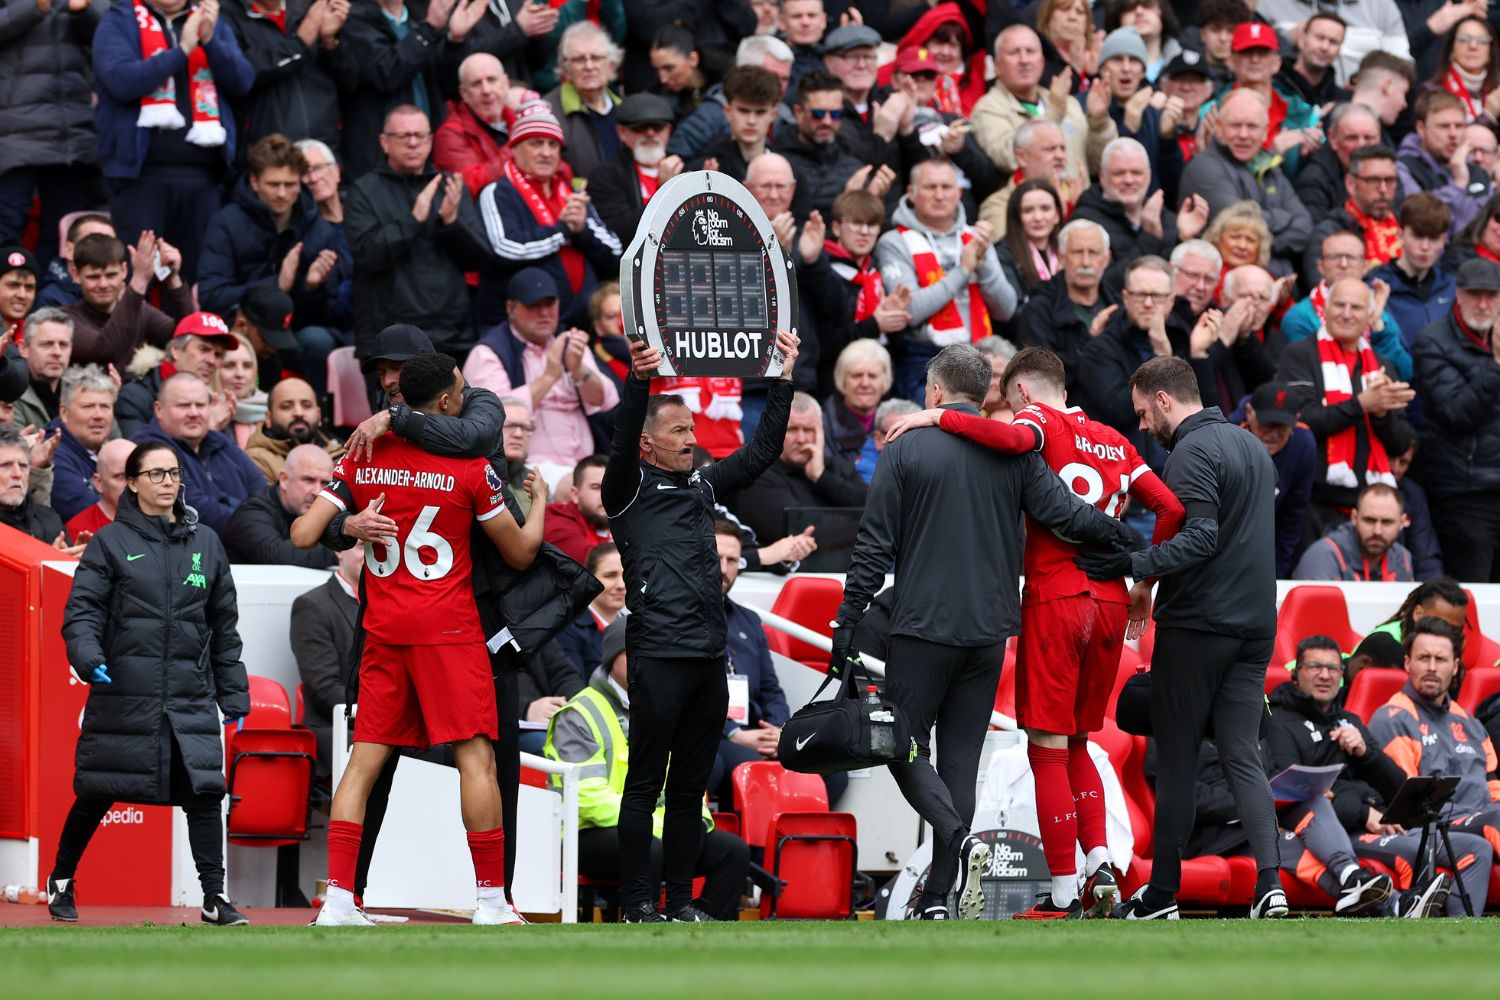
pixel 208 326
pixel 1254 35
pixel 916 59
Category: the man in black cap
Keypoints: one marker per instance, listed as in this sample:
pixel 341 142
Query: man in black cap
pixel 1188 78
pixel 525 354
pixel 18 277
pixel 874 117
pixel 1269 415
pixel 641 165
pixel 477 432
pixel 1457 361
pixel 264 318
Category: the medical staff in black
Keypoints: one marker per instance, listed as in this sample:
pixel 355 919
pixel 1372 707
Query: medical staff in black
pixel 661 511
pixel 1215 625
pixel 946 514
pixel 150 626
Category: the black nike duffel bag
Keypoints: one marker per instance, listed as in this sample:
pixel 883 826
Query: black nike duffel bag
pixel 846 732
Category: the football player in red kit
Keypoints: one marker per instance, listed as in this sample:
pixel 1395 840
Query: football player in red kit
pixel 1072 628
pixel 424 674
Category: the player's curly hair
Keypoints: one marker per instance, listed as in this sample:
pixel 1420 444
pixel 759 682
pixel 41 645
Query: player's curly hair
pixel 426 377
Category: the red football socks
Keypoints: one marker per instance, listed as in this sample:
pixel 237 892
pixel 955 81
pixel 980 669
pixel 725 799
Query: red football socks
pixel 488 851
pixel 343 853
pixel 1088 795
pixel 1054 807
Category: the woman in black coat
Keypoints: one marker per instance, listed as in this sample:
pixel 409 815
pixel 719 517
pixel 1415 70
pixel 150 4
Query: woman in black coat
pixel 151 628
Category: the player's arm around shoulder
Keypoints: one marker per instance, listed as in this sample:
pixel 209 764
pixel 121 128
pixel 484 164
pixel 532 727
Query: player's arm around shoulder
pixel 308 529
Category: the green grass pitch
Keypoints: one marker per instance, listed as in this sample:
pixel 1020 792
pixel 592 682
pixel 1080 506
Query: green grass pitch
pixel 1191 958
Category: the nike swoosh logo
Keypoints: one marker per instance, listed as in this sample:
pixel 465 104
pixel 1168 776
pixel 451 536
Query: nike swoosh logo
pixel 134 558
pixel 804 740
pixel 211 914
pixel 664 486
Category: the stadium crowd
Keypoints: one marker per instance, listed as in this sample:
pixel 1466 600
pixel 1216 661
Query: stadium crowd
pixel 201 203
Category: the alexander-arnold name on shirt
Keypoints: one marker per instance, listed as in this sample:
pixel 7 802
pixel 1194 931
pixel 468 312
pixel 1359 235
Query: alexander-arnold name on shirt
pixel 367 475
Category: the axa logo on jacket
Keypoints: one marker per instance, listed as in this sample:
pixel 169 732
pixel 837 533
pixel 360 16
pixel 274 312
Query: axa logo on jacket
pixel 195 577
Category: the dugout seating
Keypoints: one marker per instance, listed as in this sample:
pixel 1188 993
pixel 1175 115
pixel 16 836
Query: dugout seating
pixel 1312 609
pixel 1479 684
pixel 269 766
pixel 1371 688
pixel 812 602
pixel 1479 649
pixel 812 852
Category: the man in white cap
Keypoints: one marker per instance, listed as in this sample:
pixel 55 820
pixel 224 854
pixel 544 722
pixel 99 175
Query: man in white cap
pixel 536 215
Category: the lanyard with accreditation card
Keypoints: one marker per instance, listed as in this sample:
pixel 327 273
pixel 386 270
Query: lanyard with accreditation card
pixel 739 695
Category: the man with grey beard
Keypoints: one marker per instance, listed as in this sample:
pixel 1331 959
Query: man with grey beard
pixel 622 186
pixel 1069 309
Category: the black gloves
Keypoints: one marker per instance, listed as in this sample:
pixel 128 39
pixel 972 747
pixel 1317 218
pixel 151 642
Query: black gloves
pixel 1103 565
pixel 1129 540
pixel 843 649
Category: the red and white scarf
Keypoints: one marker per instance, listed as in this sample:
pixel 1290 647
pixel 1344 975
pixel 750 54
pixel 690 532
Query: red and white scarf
pixel 1454 84
pixel 947 324
pixel 159 108
pixel 546 210
pixel 1338 387
pixel 1319 299
pixel 864 276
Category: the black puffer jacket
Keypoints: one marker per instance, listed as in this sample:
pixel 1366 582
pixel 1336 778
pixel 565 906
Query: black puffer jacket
pixel 1459 384
pixel 46 101
pixel 153 599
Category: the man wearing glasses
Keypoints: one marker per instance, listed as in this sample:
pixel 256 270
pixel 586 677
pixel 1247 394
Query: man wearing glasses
pixel 1369 210
pixel 626 183
pixel 413 233
pixel 1341 254
pixel 583 102
pixel 1148 327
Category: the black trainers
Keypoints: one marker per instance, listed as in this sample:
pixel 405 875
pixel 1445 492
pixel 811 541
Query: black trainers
pixel 973 859
pixel 642 913
pixel 937 911
pixel 689 914
pixel 220 912
pixel 1361 893
pixel 1421 902
pixel 60 901
pixel 1135 908
pixel 1271 905
pixel 1101 891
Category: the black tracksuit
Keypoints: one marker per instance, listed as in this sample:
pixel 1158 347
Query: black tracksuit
pixel 946 513
pixel 1216 622
pixel 675 635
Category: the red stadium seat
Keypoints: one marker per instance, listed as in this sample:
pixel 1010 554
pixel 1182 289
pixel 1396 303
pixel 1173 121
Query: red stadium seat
pixel 299 705
pixel 270 774
pixel 1479 684
pixel 1373 687
pixel 728 823
pixel 816 856
pixel 1479 649
pixel 1277 674
pixel 1312 609
pixel 269 706
pixel 809 848
pixel 812 602
pixel 351 401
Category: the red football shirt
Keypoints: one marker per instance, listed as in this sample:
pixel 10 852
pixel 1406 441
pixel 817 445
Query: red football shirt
pixel 1098 465
pixel 418 588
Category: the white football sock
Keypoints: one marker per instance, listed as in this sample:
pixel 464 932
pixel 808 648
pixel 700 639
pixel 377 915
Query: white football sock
pixel 493 896
pixel 1096 857
pixel 1348 870
pixel 1064 889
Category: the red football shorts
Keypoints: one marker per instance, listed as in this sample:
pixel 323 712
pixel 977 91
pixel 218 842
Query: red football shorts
pixel 420 696
pixel 1067 657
